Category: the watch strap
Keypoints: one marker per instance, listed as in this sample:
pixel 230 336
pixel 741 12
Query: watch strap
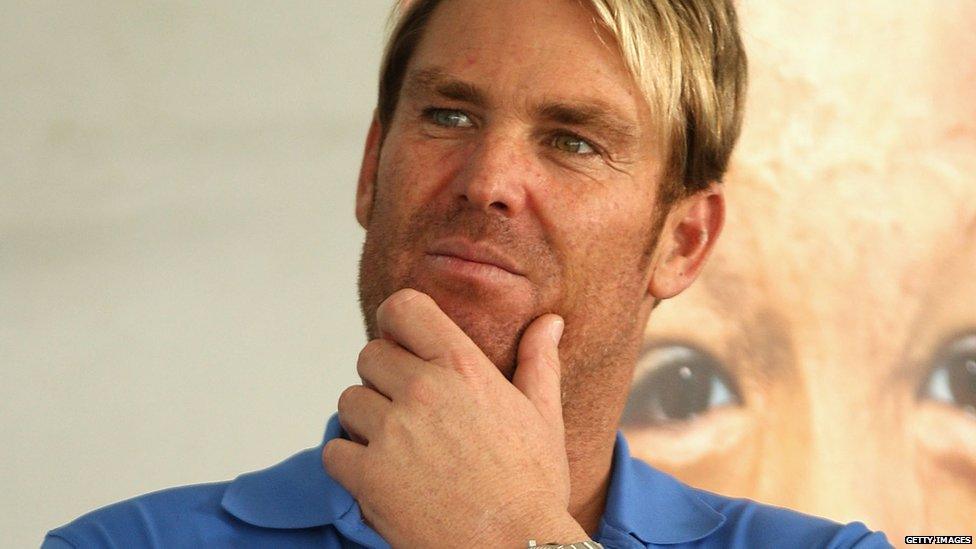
pixel 588 544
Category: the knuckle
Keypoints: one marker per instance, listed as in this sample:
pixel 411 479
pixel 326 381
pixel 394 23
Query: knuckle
pixel 346 397
pixel 370 352
pixel 392 425
pixel 457 357
pixel 463 361
pixel 329 453
pixel 420 389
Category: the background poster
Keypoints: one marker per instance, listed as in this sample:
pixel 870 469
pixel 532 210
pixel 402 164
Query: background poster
pixel 178 257
pixel 826 360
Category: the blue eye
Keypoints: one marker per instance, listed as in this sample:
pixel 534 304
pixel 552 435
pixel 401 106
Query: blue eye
pixel 682 383
pixel 572 144
pixel 449 118
pixel 952 379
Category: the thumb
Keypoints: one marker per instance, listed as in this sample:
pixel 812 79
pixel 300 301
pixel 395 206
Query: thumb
pixel 538 371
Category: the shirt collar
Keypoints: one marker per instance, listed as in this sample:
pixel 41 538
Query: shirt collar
pixel 653 506
pixel 641 501
pixel 296 493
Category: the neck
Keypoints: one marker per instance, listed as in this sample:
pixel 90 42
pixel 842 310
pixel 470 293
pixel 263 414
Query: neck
pixel 591 418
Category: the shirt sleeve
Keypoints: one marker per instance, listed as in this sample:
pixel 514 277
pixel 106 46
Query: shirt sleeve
pixel 52 541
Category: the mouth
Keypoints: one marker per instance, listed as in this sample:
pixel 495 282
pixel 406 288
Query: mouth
pixel 463 254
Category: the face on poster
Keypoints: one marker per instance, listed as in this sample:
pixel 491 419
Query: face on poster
pixel 826 359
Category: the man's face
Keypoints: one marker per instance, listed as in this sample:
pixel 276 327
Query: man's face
pixel 519 133
pixel 827 359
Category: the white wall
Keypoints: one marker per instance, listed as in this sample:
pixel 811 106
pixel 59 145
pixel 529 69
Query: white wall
pixel 177 244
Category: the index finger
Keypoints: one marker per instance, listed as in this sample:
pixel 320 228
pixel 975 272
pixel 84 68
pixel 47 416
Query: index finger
pixel 415 321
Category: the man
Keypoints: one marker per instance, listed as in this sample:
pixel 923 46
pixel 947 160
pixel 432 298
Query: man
pixel 539 175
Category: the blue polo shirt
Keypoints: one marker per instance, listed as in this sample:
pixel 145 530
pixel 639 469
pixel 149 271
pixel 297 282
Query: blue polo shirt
pixel 296 504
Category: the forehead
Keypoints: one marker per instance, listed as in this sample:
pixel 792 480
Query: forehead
pixel 552 47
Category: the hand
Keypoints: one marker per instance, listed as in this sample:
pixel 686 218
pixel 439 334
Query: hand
pixel 445 450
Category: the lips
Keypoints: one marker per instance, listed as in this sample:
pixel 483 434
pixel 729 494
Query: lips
pixel 476 253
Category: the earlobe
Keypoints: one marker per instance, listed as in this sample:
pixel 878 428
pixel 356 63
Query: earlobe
pixel 366 186
pixel 687 239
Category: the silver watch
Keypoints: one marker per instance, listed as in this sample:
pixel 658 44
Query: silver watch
pixel 578 545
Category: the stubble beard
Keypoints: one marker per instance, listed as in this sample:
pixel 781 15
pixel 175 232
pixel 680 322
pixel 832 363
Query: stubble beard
pixel 597 342
pixel 390 261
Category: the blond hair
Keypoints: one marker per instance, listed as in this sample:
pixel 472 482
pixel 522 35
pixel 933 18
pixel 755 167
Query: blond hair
pixel 686 56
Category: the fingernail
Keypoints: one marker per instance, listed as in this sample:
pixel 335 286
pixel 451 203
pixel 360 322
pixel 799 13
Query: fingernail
pixel 556 330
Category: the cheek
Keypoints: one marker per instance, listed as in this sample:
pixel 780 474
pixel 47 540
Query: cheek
pixel 396 188
pixel 399 196
pixel 412 170
pixel 606 241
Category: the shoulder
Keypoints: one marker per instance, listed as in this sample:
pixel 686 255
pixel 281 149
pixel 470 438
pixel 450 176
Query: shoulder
pixel 149 520
pixel 286 505
pixel 751 524
pixel 661 511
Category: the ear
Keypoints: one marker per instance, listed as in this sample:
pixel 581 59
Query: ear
pixel 689 234
pixel 367 173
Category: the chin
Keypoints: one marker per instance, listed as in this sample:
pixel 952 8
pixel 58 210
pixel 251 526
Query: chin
pixel 494 328
pixel 492 318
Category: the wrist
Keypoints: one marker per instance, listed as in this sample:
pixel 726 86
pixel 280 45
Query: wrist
pixel 555 531
pixel 530 521
pixel 587 544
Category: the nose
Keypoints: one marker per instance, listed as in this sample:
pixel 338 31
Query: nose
pixel 495 175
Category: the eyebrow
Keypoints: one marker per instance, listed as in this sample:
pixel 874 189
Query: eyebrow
pixel 591 113
pixel 594 114
pixel 436 80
